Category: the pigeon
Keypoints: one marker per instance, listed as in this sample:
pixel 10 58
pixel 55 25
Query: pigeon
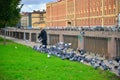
pixel 87 60
pixel 119 71
pixel 105 67
pixel 82 61
pixel 119 62
pixel 35 47
pixel 63 57
pixel 48 55
pixel 96 59
pixel 92 63
pixel 116 67
pixel 101 63
pixel 96 66
pixel 110 62
pixel 117 59
pixel 81 51
pixel 71 59
pixel 79 59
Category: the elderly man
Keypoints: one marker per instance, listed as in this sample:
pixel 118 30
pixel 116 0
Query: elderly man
pixel 43 36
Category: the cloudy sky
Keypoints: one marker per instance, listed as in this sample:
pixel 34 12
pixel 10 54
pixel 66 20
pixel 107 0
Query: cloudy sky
pixel 30 5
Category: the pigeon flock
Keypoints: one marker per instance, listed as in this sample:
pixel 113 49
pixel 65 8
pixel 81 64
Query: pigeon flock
pixel 62 51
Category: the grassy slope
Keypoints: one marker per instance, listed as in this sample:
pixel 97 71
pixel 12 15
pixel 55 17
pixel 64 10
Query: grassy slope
pixel 23 63
pixel 1 40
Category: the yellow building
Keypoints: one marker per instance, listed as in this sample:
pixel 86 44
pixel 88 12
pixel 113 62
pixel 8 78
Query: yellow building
pixel 38 19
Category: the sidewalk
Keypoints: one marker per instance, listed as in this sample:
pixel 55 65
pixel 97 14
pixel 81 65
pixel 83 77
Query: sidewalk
pixel 24 42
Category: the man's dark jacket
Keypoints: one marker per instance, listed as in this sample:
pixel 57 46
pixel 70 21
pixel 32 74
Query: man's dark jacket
pixel 43 35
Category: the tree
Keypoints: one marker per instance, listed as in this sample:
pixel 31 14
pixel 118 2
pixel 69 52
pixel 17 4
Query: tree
pixel 9 13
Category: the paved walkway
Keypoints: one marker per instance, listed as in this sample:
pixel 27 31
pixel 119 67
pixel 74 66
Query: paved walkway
pixel 24 42
pixel 31 44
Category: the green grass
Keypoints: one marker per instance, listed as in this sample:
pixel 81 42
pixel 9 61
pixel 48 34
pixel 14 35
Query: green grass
pixel 8 41
pixel 23 63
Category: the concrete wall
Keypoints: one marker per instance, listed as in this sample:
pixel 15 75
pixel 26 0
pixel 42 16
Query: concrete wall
pixel 104 43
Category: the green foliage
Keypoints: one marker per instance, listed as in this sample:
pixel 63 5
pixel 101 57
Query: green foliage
pixel 18 62
pixel 9 12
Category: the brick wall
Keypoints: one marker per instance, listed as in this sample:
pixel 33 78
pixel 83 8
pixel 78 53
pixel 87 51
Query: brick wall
pixel 83 13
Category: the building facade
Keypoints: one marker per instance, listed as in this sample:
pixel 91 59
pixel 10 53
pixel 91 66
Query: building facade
pixel 38 19
pixel 83 13
pixel 24 20
pixel 35 19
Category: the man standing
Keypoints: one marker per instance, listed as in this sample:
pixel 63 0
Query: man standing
pixel 43 36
